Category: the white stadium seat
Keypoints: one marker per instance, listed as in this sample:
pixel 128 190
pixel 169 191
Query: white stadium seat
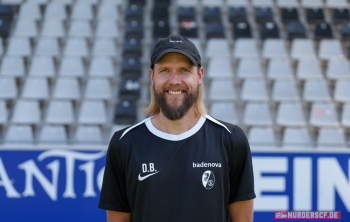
pixel 222 90
pixel 76 47
pixel 323 115
pixel 29 11
pixel 107 29
pixel 245 48
pixel 55 10
pixel 217 48
pixel 12 66
pixel 80 28
pixel 66 88
pixel 220 68
pixel 88 135
pixel 8 88
pixel 92 112
pixel 53 135
pixel 309 69
pixel 279 69
pixel 42 66
pixel 101 67
pixel 254 90
pixel 82 11
pixel 249 68
pixel 224 111
pixel 345 119
pixel 107 11
pixel 52 28
pixel 312 3
pixel 331 137
pixel 302 49
pixel 60 112
pixel 257 114
pixel 296 137
pixel 19 46
pixel 71 66
pixel 3 112
pixel 284 90
pixel 98 88
pixel 342 91
pixel 35 88
pixel 104 47
pixel 290 114
pixel 26 112
pixel 47 47
pixel 26 28
pixel 19 134
pixel 316 90
pixel 261 136
pixel 338 69
pixel 287 4
pixel 274 48
pixel 330 49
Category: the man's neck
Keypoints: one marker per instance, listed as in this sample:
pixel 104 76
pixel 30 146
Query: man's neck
pixel 176 127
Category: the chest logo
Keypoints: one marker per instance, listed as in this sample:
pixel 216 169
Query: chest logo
pixel 208 179
pixel 147 169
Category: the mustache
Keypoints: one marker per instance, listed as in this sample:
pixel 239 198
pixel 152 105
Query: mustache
pixel 175 88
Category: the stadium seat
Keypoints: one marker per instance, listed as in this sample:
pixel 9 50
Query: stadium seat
pixel 25 28
pixel 220 68
pixel 52 28
pixel 66 88
pixel 134 29
pixel 249 68
pixel 12 66
pixel 296 30
pixel 269 30
pixel 76 47
pixel 338 69
pixel 345 118
pixel 323 31
pixel 4 28
pixel 53 135
pixel 284 90
pixel 316 90
pixel 224 111
pixel 263 15
pixel 42 66
pixel 259 136
pixel 125 113
pixel 187 3
pixel 131 67
pixel 35 88
pixel 290 114
pixel 289 14
pixel 323 115
pixel 63 2
pixel 314 15
pixel 188 29
pixel 79 28
pixel 119 2
pixel 215 30
pixel 336 3
pixel 12 2
pixel 6 12
pixel 257 114
pixel 92 112
pixel 279 68
pixel 160 12
pixel 242 30
pixel 222 90
pixel 330 49
pixel 60 112
pixel 186 13
pixel 88 135
pixel 19 46
pixel 29 11
pixel 47 47
pixel 237 3
pixel 302 49
pixel 262 3
pixel 345 31
pixel 3 112
pixel 26 112
pixel 98 88
pixel 254 90
pixel 82 11
pixel 101 67
pixel 19 134
pixel 217 47
pixel 104 47
pixel 133 12
pixel 245 48
pixel 331 137
pixel 212 3
pixel 107 29
pixel 237 14
pixel 8 88
pixel 296 137
pixel 161 29
pixel 274 48
pixel 55 11
pixel 340 15
pixel 129 89
pixel 132 46
pixel 71 66
pixel 211 13
pixel 309 69
pixel 342 91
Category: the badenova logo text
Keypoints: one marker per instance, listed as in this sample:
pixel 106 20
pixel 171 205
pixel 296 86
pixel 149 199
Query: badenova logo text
pixel 206 164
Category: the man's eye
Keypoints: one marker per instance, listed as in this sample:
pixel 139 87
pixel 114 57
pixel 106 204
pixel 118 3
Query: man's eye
pixel 164 70
pixel 185 70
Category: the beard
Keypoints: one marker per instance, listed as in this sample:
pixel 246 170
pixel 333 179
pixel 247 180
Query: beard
pixel 176 113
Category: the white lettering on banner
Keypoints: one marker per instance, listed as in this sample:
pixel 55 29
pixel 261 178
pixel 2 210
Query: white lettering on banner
pixel 89 173
pixel 31 170
pixel 7 183
pixel 302 183
pixel 331 178
pixel 70 157
pixel 269 183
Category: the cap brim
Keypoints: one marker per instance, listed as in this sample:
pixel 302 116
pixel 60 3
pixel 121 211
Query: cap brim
pixel 178 51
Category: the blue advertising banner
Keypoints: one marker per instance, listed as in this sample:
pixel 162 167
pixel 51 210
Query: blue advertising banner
pixel 64 185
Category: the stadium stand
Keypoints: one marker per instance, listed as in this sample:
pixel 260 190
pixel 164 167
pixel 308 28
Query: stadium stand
pixel 74 71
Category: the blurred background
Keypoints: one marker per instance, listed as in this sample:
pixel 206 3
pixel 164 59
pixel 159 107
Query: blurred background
pixel 72 72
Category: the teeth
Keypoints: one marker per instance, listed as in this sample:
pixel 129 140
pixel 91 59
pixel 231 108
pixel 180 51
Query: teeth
pixel 175 92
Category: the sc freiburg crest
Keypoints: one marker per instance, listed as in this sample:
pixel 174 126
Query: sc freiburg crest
pixel 208 179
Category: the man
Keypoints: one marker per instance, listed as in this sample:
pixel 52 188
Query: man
pixel 179 164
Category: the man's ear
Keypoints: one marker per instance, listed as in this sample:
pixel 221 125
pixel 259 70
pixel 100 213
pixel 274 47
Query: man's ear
pixel 151 74
pixel 200 75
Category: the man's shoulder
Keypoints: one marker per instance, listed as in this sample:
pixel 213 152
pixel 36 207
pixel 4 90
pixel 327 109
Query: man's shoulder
pixel 127 130
pixel 228 127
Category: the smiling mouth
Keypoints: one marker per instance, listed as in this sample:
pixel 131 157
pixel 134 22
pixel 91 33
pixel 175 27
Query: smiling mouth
pixel 173 92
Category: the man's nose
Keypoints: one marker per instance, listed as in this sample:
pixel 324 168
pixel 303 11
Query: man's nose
pixel 174 78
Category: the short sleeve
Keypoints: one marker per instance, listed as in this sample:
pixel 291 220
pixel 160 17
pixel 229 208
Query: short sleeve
pixel 113 193
pixel 241 169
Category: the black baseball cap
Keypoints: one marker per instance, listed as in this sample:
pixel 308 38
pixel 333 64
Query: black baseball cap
pixel 176 43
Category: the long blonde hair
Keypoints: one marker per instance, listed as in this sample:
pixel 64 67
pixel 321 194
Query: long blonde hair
pixel 153 107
